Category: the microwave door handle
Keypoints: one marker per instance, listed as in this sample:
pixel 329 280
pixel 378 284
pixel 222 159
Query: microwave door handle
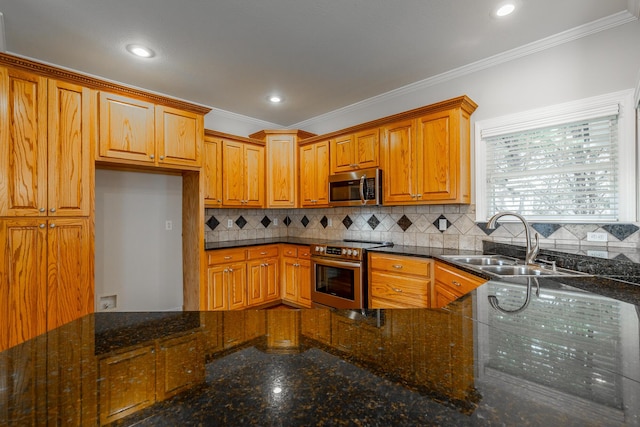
pixel 362 178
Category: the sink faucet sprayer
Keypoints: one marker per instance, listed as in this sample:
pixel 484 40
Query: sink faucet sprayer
pixel 532 250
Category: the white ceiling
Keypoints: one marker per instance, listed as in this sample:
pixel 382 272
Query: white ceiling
pixel 320 55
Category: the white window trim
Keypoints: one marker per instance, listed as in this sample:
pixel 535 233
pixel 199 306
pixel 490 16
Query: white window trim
pixel 597 106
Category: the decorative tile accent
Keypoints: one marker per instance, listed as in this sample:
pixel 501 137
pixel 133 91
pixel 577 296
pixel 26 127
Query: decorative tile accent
pixel 305 221
pixel 483 226
pixel 436 223
pixel 324 221
pixel 287 220
pixel 620 231
pixel 545 229
pixel 404 222
pixel 241 222
pixel 265 221
pixel 347 222
pixel 373 222
pixel 212 223
pixel 622 257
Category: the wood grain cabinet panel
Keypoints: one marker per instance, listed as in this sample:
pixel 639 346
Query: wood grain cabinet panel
pixel 355 151
pixel 314 174
pixel 296 276
pixel 179 136
pixel 451 283
pixel 212 170
pixel 282 182
pixel 180 365
pixel 242 174
pixel 397 281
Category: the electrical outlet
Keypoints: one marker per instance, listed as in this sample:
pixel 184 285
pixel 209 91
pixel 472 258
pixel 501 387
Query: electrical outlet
pixel 442 224
pixel 598 254
pixel 596 237
pixel 275 221
pixel 329 222
pixel 229 223
pixel 168 225
pixel 108 302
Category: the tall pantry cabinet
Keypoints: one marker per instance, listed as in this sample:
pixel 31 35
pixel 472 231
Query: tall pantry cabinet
pixel 46 176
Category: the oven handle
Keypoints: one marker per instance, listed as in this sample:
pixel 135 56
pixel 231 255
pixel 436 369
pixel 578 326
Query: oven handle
pixel 362 178
pixel 335 263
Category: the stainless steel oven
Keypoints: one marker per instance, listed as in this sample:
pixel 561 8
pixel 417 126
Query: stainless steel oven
pixel 338 276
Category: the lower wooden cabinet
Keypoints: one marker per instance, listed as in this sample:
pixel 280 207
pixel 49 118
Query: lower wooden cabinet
pixel 397 281
pixel 296 275
pixel 136 378
pixel 451 283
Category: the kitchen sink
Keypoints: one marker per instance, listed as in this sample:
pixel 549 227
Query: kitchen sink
pixel 507 266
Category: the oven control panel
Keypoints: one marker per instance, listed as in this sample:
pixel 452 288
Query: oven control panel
pixel 336 252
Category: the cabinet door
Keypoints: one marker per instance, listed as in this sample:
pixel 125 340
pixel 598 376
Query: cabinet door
pixel 271 286
pixel 127 383
pixel 314 174
pixel 281 169
pixel 256 286
pixel 23 280
pixel 126 128
pixel 217 297
pixel 70 263
pixel 367 149
pixel 438 158
pixel 399 181
pixel 289 285
pixel 254 176
pixel 212 169
pixel 342 154
pixel 180 365
pixel 237 277
pixel 233 173
pixel 70 168
pixel 322 174
pixel 23 143
pixel 304 282
pixel 179 136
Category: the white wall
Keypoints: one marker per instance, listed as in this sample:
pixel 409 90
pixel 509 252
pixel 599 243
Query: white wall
pixel 136 258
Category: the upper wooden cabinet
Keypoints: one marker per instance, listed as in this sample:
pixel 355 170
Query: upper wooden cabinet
pixel 46 132
pixel 140 132
pixel 314 174
pixel 281 166
pixel 212 170
pixel 242 174
pixel 355 151
pixel 426 160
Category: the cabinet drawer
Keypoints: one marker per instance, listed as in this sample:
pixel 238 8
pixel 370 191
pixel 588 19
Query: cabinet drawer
pixel 406 290
pixel 304 252
pixel 262 252
pixel 457 280
pixel 289 250
pixel 401 264
pixel 224 256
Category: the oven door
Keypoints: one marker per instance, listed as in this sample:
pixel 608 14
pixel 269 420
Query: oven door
pixel 336 283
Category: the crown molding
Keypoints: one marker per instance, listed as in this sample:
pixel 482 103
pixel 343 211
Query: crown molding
pixel 576 33
pixel 260 124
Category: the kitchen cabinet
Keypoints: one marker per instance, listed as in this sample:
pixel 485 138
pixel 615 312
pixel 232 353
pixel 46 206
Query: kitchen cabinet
pixel 314 174
pixel 426 160
pixel 283 330
pixel 282 165
pixel 134 131
pixel 46 275
pixel 397 281
pixel 296 275
pixel 180 365
pixel 226 280
pixel 451 283
pixel 355 151
pixel 243 175
pixel 263 270
pixel 212 171
pixel 46 165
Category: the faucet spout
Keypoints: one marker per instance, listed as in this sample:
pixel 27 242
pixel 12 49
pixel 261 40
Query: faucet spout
pixel 532 249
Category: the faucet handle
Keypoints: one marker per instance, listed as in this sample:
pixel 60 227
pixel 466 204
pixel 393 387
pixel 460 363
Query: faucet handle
pixel 535 248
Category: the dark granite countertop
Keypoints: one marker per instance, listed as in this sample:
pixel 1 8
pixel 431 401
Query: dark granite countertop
pixel 257 242
pixel 570 356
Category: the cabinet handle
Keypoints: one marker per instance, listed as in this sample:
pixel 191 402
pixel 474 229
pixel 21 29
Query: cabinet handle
pixel 266 264
pixel 456 283
pixel 227 257
pixel 263 253
pixel 52 209
pixel 296 265
pixel 52 226
pixel 151 156
pixel 42 209
pixel 418 196
pixel 42 225
pixel 219 201
pixel 230 270
pixel 226 270
pixel 161 157
pixel 397 290
pixel 397 266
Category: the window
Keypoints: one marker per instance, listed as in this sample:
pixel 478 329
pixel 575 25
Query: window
pixel 570 162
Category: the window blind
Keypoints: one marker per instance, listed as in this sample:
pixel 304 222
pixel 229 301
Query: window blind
pixel 567 170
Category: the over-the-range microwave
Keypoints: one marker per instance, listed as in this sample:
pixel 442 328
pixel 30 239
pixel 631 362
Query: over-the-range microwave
pixel 357 188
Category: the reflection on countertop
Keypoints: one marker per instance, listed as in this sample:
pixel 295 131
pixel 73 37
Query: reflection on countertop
pixel 571 357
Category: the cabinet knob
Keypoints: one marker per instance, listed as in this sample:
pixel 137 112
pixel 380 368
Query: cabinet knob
pixel 397 266
pixel 219 201
pixel 42 225
pixel 397 290
pixel 456 283
pixel 227 257
pixel 263 253
pixel 42 209
pixel 151 156
pixel 161 157
pixel 52 209
pixel 52 226
pixel 230 270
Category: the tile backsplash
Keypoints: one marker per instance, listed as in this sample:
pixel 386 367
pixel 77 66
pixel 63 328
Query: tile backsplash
pixel 445 226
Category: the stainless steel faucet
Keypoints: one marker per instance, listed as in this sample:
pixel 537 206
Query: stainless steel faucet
pixel 532 250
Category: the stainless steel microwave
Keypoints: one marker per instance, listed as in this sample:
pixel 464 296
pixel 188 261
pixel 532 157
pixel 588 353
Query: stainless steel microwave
pixel 358 188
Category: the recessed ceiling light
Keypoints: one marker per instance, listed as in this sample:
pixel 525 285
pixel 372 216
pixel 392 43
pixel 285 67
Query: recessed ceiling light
pixel 141 51
pixel 275 99
pixel 506 9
